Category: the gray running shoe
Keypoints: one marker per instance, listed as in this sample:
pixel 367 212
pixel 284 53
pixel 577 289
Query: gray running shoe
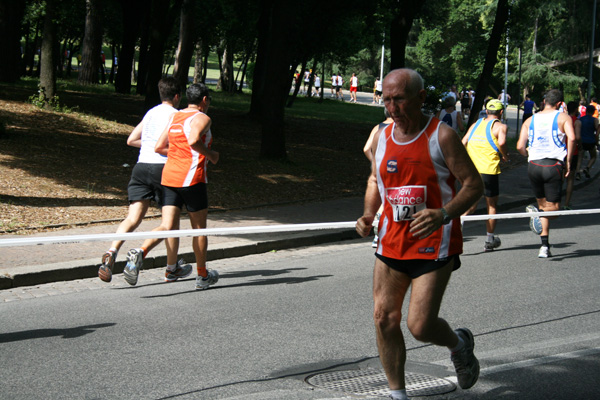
pixel 465 362
pixel 544 252
pixel 181 271
pixel 490 246
pixel 135 258
pixel 105 269
pixel 535 223
pixel 211 279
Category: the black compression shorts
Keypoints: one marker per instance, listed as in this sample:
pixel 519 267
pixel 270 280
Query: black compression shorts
pixel 546 177
pixel 194 197
pixel 491 185
pixel 416 268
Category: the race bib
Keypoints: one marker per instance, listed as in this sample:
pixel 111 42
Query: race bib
pixel 406 201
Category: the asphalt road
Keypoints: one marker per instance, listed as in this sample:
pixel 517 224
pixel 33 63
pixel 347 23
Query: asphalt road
pixel 274 319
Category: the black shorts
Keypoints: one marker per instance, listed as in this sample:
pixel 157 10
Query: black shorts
pixel 546 177
pixel 194 197
pixel 378 93
pixel 526 116
pixel 491 185
pixel 416 268
pixel 588 146
pixel 145 183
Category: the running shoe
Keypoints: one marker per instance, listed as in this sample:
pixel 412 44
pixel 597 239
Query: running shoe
pixel 135 258
pixel 535 223
pixel 567 208
pixel 544 252
pixel 465 362
pixel 211 279
pixel 490 246
pixel 181 271
pixel 105 270
pixel 586 172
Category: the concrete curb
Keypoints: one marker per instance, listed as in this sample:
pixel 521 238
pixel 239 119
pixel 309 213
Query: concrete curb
pixel 82 269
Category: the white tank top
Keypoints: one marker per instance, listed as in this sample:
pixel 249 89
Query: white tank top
pixel 545 139
pixel 155 121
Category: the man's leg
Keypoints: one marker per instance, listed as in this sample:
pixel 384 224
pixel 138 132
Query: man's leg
pixel 491 202
pixel 389 290
pixel 137 211
pixel 426 326
pixel 135 257
pixel 200 243
pixel 425 301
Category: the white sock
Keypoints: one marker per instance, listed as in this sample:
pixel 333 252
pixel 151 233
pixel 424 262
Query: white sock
pixel 399 394
pixel 490 237
pixel 171 267
pixel 114 251
pixel 459 345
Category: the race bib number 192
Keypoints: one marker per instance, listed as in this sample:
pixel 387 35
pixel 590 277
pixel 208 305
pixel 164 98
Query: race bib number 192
pixel 406 201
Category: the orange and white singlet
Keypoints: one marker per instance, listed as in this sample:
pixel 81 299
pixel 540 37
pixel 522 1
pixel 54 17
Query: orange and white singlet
pixel 412 176
pixel 185 166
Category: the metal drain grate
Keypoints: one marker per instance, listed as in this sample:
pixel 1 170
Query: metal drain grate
pixel 374 383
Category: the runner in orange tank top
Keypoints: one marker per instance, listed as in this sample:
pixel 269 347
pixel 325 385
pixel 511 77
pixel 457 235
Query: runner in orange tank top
pixel 416 162
pixel 186 142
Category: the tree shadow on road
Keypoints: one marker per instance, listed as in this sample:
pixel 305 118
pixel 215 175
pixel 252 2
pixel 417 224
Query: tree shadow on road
pixel 66 333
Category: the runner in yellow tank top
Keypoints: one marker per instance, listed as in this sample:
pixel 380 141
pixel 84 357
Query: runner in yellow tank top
pixel 486 144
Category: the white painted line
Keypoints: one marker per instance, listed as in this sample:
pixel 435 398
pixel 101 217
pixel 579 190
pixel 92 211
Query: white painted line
pixel 246 230
pixel 539 361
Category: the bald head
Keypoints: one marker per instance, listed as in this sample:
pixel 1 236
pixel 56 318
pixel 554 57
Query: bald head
pixel 409 79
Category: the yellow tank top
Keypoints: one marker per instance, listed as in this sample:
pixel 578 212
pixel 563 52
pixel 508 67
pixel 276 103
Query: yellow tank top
pixel 483 148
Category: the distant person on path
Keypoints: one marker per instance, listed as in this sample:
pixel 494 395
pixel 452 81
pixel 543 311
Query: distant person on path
pixel 588 129
pixel 145 186
pixel 596 107
pixel 551 139
pixel 465 102
pixel 339 92
pixel 306 81
pixel 333 86
pixel 572 109
pixel 486 144
pixel 353 88
pixel 317 84
pixel 504 97
pixel 450 115
pixel 419 231
pixel 378 90
pixel 187 144
pixel 528 107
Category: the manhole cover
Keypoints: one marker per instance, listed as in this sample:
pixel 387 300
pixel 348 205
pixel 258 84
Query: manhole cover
pixel 374 383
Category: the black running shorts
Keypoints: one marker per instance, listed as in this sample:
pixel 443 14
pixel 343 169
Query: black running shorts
pixel 491 185
pixel 194 197
pixel 145 183
pixel 416 268
pixel 546 177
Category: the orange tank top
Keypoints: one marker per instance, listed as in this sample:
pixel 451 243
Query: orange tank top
pixel 412 176
pixel 184 167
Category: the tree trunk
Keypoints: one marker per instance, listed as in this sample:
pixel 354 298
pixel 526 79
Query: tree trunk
pixel 11 17
pixel 92 44
pixel 48 67
pixel 276 68
pixel 198 62
pixel 131 28
pixel 490 59
pixel 401 25
pixel 297 83
pixel 163 18
pixel 226 81
pixel 143 60
pixel 185 48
